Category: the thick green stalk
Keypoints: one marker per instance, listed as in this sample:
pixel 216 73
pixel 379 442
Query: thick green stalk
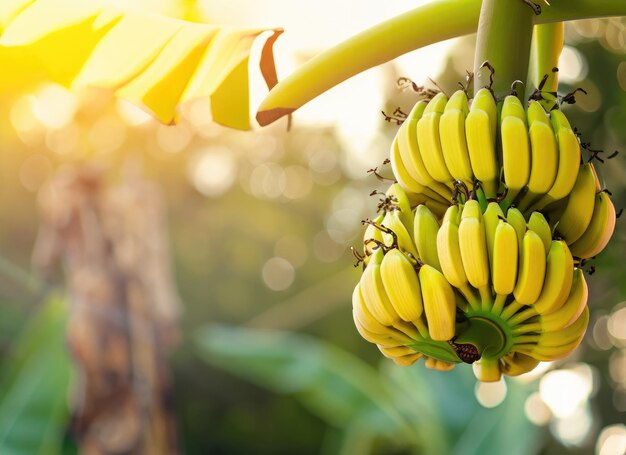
pixel 546 49
pixel 504 36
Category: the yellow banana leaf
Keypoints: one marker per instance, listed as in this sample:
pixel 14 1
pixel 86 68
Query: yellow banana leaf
pixel 156 62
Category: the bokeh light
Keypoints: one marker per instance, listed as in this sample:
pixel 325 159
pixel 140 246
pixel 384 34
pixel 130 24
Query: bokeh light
pixel 491 394
pixel 278 274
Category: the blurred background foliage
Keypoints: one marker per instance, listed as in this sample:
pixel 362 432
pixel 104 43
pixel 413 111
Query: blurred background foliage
pixel 260 225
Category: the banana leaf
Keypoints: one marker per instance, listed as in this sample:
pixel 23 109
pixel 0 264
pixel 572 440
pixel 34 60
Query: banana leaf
pixel 432 412
pixel 156 62
pixel 34 385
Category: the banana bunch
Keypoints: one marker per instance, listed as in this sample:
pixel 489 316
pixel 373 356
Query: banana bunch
pixel 519 156
pixel 476 251
pixel 487 287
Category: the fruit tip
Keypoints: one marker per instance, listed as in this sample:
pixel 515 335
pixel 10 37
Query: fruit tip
pixel 268 116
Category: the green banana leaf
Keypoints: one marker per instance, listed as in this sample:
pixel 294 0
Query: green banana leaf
pixel 332 383
pixel 434 412
pixel 34 386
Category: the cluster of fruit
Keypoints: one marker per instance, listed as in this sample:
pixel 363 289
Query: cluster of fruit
pixel 476 251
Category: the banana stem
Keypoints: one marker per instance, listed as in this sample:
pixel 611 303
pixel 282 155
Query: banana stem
pixel 547 44
pixel 504 36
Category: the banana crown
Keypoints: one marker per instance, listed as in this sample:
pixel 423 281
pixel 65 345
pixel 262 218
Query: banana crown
pixel 475 253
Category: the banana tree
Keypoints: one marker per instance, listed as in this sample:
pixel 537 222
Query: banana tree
pixel 477 250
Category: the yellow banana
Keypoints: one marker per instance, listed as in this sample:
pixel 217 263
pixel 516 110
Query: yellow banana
pixel 401 235
pixel 544 155
pixel 538 223
pixel 517 220
pixel 407 181
pixel 571 309
pixel 599 231
pixel 560 342
pixel 374 294
pixel 411 155
pixel 372 330
pixel 425 230
pixel 558 278
pixel 429 142
pixel 491 218
pixel 579 207
pixel 505 257
pixel 439 303
pixel 515 147
pixel 473 247
pixel 453 141
pixel 487 370
pixel 401 355
pixel 516 363
pixel 398 200
pixel 480 132
pixel 402 286
pixel 372 236
pixel 399 330
pixel 532 268
pixel 449 253
pixel 569 160
pixel 436 364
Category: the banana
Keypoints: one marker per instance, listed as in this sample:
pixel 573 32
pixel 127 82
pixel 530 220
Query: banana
pixel 402 285
pixel 399 330
pixel 439 303
pixel 372 330
pixel 532 268
pixel 436 364
pixel 580 205
pixel 473 247
pixel 401 355
pixel 571 309
pixel 411 155
pixel 480 132
pixel 408 183
pixel 371 237
pixel 515 364
pixel 569 160
pixel 505 252
pixel 515 147
pixel 400 235
pixel 599 231
pixel 554 345
pixel 452 137
pixel 374 294
pixel 491 218
pixel 538 223
pixel 398 200
pixel 449 253
pixel 544 155
pixel 487 370
pixel 429 142
pixel 558 278
pixel 425 230
pixel 517 220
